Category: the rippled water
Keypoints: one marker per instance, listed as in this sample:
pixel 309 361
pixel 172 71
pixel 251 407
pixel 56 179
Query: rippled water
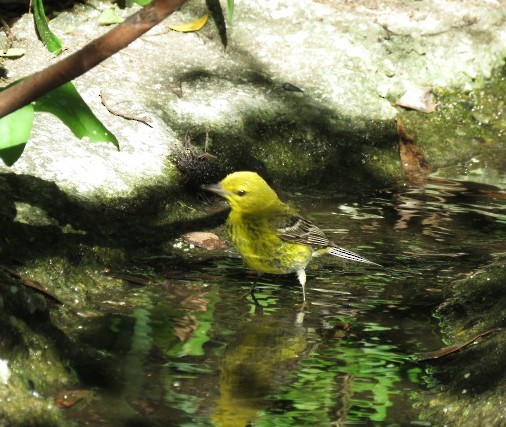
pixel 192 350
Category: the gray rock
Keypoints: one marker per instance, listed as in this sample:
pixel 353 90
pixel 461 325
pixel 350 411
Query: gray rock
pixel 350 59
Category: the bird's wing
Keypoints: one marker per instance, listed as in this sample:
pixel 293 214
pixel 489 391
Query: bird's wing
pixel 294 228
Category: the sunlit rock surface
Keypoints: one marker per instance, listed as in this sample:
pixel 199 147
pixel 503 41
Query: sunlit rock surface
pixel 351 59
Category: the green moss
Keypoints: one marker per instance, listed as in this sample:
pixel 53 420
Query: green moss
pixel 32 347
pixel 290 151
pixel 464 125
pixel 480 294
pixel 22 409
pixel 471 382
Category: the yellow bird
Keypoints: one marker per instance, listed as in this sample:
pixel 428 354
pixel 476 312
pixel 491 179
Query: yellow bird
pixel 270 235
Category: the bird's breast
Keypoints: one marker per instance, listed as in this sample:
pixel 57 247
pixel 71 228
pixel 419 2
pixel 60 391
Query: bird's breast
pixel 263 250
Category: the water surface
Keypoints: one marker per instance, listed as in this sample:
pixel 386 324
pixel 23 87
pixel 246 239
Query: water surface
pixel 191 349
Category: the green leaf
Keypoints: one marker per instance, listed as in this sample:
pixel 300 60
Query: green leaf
pixel 15 129
pixel 230 10
pixel 142 2
pixel 65 103
pixel 12 154
pixel 109 16
pixel 50 40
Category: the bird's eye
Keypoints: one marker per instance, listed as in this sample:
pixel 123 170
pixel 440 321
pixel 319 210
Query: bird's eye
pixel 241 193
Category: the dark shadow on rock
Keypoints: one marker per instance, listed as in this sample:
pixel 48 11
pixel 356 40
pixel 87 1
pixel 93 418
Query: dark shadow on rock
pixel 73 230
pixel 477 369
pixel 473 379
pixel 299 141
pixel 481 367
pixel 126 224
pixel 27 328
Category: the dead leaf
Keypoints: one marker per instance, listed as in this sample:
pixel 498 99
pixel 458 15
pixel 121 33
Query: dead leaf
pixel 195 302
pixel 68 398
pixel 186 326
pixel 413 162
pixel 204 240
pixel 419 99
pixel 190 26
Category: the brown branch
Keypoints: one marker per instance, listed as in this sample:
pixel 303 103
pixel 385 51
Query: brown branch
pixel 89 56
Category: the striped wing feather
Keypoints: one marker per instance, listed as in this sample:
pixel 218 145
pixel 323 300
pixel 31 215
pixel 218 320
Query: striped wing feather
pixel 300 230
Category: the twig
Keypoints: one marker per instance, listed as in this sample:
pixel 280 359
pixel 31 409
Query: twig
pixel 123 115
pixel 42 82
pixel 30 283
pixel 8 32
pixel 446 351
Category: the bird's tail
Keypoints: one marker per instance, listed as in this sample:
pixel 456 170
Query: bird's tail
pixel 346 254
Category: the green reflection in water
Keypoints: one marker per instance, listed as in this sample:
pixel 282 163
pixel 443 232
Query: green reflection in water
pixel 192 328
pixel 140 347
pixel 343 381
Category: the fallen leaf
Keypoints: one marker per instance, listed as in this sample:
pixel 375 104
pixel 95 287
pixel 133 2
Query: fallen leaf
pixel 418 99
pixel 68 398
pixel 190 26
pixel 413 162
pixel 204 240
pixel 109 16
pixel 187 325
pixel 12 53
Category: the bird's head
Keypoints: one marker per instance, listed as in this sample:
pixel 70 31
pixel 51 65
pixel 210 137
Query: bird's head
pixel 246 192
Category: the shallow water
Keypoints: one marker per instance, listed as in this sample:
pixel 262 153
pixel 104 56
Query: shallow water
pixel 192 350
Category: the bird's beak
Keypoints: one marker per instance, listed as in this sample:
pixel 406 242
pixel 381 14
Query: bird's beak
pixel 217 189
